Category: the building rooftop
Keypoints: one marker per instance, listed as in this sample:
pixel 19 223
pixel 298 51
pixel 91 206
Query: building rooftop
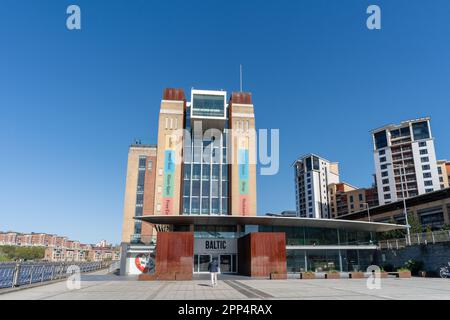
pixel 421 199
pixel 402 124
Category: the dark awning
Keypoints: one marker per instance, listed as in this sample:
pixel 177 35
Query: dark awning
pixel 270 221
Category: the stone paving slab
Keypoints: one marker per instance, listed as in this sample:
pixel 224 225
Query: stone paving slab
pixel 121 288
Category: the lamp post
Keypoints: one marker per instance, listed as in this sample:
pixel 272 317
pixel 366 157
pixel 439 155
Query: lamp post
pixel 405 211
pixel 368 210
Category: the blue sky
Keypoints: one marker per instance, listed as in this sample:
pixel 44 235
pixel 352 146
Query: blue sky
pixel 71 102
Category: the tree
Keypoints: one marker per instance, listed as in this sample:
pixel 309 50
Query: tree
pixel 415 223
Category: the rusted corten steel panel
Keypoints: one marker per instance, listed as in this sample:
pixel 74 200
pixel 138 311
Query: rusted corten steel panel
pixel 261 254
pixel 173 94
pixel 174 253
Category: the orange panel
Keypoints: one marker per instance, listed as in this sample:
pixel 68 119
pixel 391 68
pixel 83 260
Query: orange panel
pixel 261 254
pixel 174 254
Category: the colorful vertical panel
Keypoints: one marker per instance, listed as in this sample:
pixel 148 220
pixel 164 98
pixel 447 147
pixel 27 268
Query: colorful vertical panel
pixel 243 181
pixel 169 179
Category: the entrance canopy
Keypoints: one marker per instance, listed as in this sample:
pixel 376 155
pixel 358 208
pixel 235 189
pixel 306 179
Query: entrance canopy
pixel 216 220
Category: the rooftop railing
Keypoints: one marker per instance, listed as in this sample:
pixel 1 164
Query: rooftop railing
pixel 416 239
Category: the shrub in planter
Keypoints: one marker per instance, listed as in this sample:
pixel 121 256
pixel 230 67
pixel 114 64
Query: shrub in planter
pixel 333 275
pixel 307 275
pixel 414 266
pixel 404 273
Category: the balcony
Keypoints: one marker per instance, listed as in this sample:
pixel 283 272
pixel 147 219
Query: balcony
pixel 142 239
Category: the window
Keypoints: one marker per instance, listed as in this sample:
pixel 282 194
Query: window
pixel 387 196
pixel 439 170
pixel 380 140
pixel 360 197
pixel 422 144
pixel 383 159
pixel 150 166
pixel 383 166
pixel 428 183
pixel 425 159
pixel 426 167
pixel 420 130
pixel 384 174
pixel 385 181
pixel 427 175
pixel 351 198
pixel 208 105
pixel 386 189
pixel 316 163
pixel 382 152
pixel 423 151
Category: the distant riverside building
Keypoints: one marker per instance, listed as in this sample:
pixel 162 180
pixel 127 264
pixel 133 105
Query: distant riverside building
pixel 345 199
pixel 199 166
pixel 313 175
pixel 405 152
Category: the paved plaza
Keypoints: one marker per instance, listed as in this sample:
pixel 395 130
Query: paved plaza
pixel 99 287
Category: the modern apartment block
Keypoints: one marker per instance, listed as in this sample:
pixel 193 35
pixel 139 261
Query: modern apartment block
pixel 346 199
pixel 444 173
pixel 313 175
pixel 405 156
pixel 204 162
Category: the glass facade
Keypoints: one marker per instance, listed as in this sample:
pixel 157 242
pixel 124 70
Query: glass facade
pixel 307 236
pixel 343 260
pixel 205 177
pixel 139 209
pixel 208 105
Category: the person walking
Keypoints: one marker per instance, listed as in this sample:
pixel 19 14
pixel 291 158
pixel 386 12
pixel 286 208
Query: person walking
pixel 213 268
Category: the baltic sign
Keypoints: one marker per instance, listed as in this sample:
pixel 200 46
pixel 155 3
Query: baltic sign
pixel 215 246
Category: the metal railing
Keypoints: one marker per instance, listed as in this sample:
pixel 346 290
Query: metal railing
pixel 20 274
pixel 416 239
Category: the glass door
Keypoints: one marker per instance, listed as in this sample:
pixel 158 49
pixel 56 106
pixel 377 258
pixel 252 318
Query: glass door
pixel 203 262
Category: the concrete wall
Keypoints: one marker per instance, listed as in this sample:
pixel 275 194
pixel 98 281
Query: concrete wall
pixel 433 256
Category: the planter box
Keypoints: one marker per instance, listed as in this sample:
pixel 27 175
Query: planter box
pixel 383 274
pixel 334 275
pixel 356 275
pixel 278 276
pixel 147 277
pixel 404 274
pixel 307 276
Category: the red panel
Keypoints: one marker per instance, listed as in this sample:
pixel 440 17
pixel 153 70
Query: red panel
pixel 261 254
pixel 174 94
pixel 241 98
pixel 174 254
